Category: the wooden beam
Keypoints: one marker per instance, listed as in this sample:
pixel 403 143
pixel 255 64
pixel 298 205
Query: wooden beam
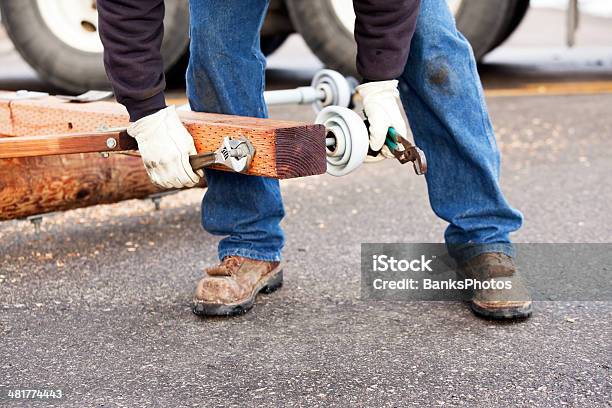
pixel 284 149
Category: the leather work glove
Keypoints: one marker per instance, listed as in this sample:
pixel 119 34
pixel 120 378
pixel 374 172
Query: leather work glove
pixel 165 147
pixel 383 109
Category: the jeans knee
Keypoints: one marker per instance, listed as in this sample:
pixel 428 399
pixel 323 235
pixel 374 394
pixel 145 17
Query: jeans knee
pixel 440 75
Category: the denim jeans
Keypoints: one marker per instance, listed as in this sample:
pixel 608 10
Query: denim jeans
pixel 444 102
pixel 443 98
pixel 226 75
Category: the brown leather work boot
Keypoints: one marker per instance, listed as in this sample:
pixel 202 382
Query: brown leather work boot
pixel 511 301
pixel 231 287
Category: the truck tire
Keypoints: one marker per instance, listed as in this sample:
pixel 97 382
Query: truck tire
pixel 517 18
pixel 327 27
pixel 276 27
pixel 328 36
pixel 270 43
pixel 59 39
pixel 488 23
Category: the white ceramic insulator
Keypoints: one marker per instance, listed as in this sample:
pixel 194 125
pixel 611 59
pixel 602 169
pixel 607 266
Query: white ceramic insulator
pixel 351 139
pixel 338 90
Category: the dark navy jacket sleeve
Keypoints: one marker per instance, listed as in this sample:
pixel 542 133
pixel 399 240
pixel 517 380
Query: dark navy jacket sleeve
pixel 132 32
pixel 384 30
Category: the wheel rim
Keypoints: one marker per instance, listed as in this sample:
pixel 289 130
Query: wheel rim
pixel 345 13
pixel 74 22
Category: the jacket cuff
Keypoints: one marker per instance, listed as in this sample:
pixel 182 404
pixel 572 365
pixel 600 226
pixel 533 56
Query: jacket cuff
pixel 379 66
pixel 138 109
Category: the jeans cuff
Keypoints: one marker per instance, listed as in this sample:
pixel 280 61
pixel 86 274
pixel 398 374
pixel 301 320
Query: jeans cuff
pixel 251 254
pixel 464 252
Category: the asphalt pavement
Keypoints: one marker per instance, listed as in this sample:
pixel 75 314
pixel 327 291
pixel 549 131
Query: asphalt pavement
pixel 100 306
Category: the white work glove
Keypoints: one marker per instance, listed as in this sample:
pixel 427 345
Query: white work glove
pixel 165 147
pixel 383 109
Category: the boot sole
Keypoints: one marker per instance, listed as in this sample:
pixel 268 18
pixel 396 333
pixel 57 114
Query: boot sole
pixel 501 313
pixel 272 283
pixel 510 313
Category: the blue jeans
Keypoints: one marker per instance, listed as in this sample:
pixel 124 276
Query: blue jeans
pixel 226 74
pixel 444 102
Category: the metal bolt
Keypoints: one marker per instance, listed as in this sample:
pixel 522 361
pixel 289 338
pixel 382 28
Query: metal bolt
pixel 111 143
pixel 36 220
pixel 157 201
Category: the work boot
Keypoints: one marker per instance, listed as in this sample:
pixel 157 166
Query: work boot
pixel 511 302
pixel 231 287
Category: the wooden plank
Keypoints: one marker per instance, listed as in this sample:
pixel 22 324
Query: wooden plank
pixel 284 149
pixel 30 146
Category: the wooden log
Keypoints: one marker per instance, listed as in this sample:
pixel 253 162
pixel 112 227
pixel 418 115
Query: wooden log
pixel 39 185
pixel 284 149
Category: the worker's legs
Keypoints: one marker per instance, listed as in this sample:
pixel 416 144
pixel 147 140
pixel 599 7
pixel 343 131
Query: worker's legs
pixel 226 75
pixel 444 102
